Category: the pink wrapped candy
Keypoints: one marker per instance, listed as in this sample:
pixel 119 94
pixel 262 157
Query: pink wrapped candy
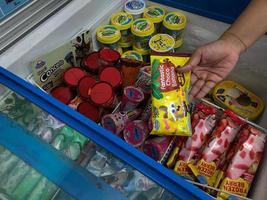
pixel 244 159
pixel 202 123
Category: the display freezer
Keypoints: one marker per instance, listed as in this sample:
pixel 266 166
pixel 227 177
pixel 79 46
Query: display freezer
pixel 81 15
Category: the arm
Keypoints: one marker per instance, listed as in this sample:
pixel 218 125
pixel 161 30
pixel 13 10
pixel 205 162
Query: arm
pixel 249 26
pixel 213 62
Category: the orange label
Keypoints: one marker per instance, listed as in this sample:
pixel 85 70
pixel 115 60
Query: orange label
pixel 238 186
pixel 206 169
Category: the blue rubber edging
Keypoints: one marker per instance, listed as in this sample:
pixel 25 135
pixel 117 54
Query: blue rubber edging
pixel 122 150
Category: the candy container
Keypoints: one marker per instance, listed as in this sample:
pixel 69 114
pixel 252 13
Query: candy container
pixel 108 57
pixel 129 69
pixel 63 94
pixel 132 97
pixel 174 24
pixel 244 159
pixel 109 36
pixel 73 75
pixel 89 110
pixel 162 43
pixel 135 8
pixel 156 15
pixel 143 79
pixel 91 62
pixel 111 75
pixel 126 46
pixel 144 52
pixel 156 147
pixel 123 22
pixel 178 142
pixel 85 85
pixel 217 145
pixel 102 94
pixel 142 29
pixel 170 104
pixel 133 55
pixel 236 97
pixel 178 44
pixel 135 132
pixel 203 121
pixel 116 122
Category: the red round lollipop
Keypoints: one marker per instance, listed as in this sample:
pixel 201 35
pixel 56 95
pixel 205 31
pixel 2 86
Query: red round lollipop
pixel 91 62
pixel 89 111
pixel 85 85
pixel 73 75
pixel 111 75
pixel 109 57
pixel 62 94
pixel 102 94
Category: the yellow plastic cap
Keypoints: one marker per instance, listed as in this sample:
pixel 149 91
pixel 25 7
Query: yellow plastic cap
pixel 154 13
pixel 179 43
pixel 142 27
pixel 174 21
pixel 162 43
pixel 141 51
pixel 108 34
pixel 121 20
pixel 132 55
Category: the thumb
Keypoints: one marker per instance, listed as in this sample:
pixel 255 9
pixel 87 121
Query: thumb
pixel 193 61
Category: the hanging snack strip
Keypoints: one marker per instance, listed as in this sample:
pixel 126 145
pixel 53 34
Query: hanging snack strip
pixel 170 112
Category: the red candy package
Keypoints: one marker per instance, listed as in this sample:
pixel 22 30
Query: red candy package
pixel 203 121
pixel 205 169
pixel 243 160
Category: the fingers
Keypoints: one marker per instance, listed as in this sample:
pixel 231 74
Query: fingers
pixel 194 60
pixel 196 88
pixel 205 89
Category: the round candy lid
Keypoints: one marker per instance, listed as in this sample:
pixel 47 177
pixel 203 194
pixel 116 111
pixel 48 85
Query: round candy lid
pixel 101 93
pixel 108 34
pixel 141 51
pixel 111 75
pixel 162 43
pixel 109 55
pixel 134 94
pixel 91 61
pixel 179 43
pixel 62 94
pixel 134 7
pixel 174 21
pixel 121 20
pixel 142 27
pixel 132 55
pixel 89 111
pixel 85 85
pixel 154 13
pixel 73 75
pixel 135 132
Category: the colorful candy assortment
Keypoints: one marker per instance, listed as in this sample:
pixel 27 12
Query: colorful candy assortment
pixel 134 28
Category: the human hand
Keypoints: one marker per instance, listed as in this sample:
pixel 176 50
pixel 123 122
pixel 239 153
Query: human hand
pixel 211 63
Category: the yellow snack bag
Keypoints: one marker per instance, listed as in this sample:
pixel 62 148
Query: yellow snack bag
pixel 170 105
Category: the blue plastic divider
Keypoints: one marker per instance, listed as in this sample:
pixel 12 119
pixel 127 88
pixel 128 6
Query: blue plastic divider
pixel 122 150
pixel 65 173
pixel 225 10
